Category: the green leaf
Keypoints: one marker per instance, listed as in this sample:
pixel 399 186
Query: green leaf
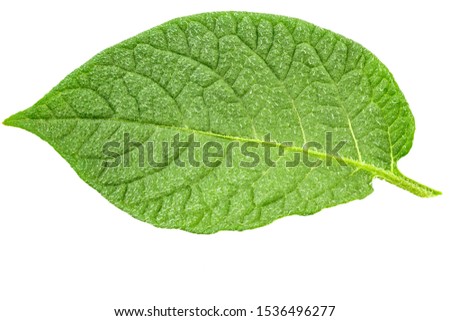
pixel 222 78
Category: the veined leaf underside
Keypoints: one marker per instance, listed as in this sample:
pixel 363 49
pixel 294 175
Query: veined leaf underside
pixel 230 77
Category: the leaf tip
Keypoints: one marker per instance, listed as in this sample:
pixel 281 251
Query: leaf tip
pixel 15 119
pixel 9 121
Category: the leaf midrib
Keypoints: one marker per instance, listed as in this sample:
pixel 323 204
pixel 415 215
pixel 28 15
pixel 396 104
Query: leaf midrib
pixel 396 178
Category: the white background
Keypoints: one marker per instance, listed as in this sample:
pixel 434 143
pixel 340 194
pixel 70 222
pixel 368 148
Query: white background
pixel 68 254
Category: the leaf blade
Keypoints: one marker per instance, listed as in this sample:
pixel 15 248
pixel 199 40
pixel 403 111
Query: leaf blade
pixel 217 82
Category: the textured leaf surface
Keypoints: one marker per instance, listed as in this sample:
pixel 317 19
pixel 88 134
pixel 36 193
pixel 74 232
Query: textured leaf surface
pixel 230 77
